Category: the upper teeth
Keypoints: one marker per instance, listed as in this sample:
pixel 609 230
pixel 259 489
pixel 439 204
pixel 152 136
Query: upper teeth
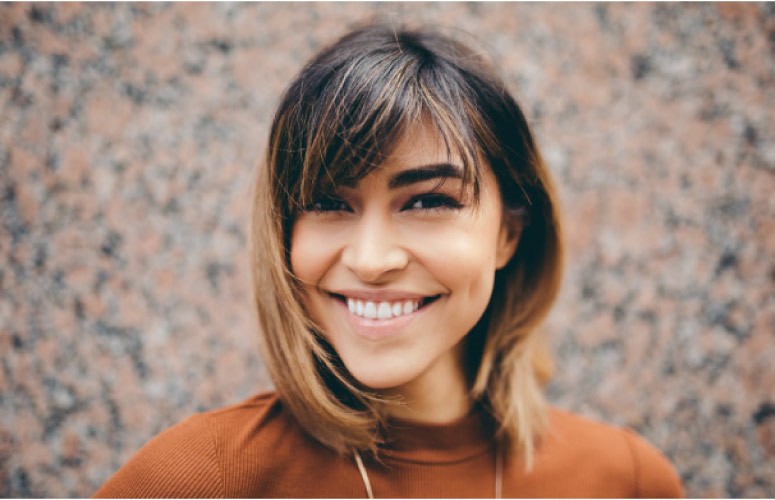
pixel 381 310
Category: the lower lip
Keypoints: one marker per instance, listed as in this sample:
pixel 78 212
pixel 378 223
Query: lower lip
pixel 375 329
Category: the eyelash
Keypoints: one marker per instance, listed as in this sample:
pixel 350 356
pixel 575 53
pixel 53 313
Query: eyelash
pixel 332 204
pixel 437 200
pixel 320 207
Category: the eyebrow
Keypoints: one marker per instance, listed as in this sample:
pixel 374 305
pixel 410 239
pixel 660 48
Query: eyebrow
pixel 424 173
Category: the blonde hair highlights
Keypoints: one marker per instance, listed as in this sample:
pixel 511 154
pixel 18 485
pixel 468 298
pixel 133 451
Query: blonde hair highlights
pixel 336 122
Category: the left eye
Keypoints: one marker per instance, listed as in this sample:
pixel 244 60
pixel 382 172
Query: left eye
pixel 328 204
pixel 432 201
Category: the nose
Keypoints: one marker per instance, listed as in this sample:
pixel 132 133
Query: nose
pixel 373 251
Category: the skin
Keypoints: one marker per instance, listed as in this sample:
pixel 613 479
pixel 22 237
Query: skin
pixel 422 239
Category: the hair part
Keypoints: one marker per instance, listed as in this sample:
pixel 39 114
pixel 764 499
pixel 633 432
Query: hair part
pixel 338 120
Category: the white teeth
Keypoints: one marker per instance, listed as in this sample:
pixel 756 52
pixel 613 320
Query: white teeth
pixel 370 310
pixel 381 310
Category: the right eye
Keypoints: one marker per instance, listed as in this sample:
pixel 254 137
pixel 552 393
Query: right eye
pixel 328 204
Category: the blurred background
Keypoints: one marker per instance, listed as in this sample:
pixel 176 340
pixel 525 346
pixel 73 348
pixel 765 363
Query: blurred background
pixel 128 142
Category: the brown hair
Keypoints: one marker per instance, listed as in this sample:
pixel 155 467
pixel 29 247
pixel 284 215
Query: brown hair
pixel 336 122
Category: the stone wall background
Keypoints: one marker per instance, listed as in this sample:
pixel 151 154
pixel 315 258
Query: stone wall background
pixel 129 135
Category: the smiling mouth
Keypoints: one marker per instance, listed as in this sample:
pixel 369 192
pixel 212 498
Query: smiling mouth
pixel 383 310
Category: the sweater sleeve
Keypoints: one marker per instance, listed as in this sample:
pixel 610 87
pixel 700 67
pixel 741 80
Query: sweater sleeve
pixel 181 462
pixel 655 476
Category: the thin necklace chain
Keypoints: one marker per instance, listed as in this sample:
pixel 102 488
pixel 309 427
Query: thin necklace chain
pixel 498 473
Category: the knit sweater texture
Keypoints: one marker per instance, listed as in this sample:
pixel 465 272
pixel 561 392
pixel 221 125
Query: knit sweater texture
pixel 257 449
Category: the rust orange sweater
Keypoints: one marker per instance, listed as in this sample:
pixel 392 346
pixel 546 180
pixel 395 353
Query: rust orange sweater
pixel 256 449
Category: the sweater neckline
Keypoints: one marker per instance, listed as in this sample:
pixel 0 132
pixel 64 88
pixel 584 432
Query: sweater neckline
pixel 456 441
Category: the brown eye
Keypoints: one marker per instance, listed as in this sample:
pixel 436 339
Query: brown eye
pixel 328 204
pixel 432 201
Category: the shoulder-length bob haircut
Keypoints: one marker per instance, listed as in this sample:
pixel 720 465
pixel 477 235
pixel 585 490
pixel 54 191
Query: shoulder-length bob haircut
pixel 336 122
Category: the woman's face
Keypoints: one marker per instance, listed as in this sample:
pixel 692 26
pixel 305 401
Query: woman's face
pixel 398 268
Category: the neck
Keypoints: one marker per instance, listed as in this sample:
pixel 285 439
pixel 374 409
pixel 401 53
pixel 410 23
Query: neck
pixel 438 396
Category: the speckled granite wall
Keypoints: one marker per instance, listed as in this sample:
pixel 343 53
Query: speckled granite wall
pixel 129 134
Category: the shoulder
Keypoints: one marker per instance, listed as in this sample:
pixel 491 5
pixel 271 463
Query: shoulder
pixel 256 411
pixel 186 460
pixel 617 460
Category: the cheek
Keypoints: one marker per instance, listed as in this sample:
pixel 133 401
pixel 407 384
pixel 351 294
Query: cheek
pixel 462 258
pixel 312 251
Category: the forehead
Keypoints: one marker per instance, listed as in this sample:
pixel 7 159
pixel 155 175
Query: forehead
pixel 419 154
pixel 421 144
pixel 414 147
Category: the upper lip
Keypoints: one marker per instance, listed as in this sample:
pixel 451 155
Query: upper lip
pixel 381 295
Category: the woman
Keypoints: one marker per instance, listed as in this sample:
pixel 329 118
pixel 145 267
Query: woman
pixel 406 246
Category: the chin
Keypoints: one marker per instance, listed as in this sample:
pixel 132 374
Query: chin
pixel 377 376
pixel 381 383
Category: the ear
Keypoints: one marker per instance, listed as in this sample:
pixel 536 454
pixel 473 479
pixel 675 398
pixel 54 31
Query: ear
pixel 508 238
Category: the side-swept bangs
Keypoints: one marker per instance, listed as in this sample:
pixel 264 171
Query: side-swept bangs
pixel 339 119
pixel 342 117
